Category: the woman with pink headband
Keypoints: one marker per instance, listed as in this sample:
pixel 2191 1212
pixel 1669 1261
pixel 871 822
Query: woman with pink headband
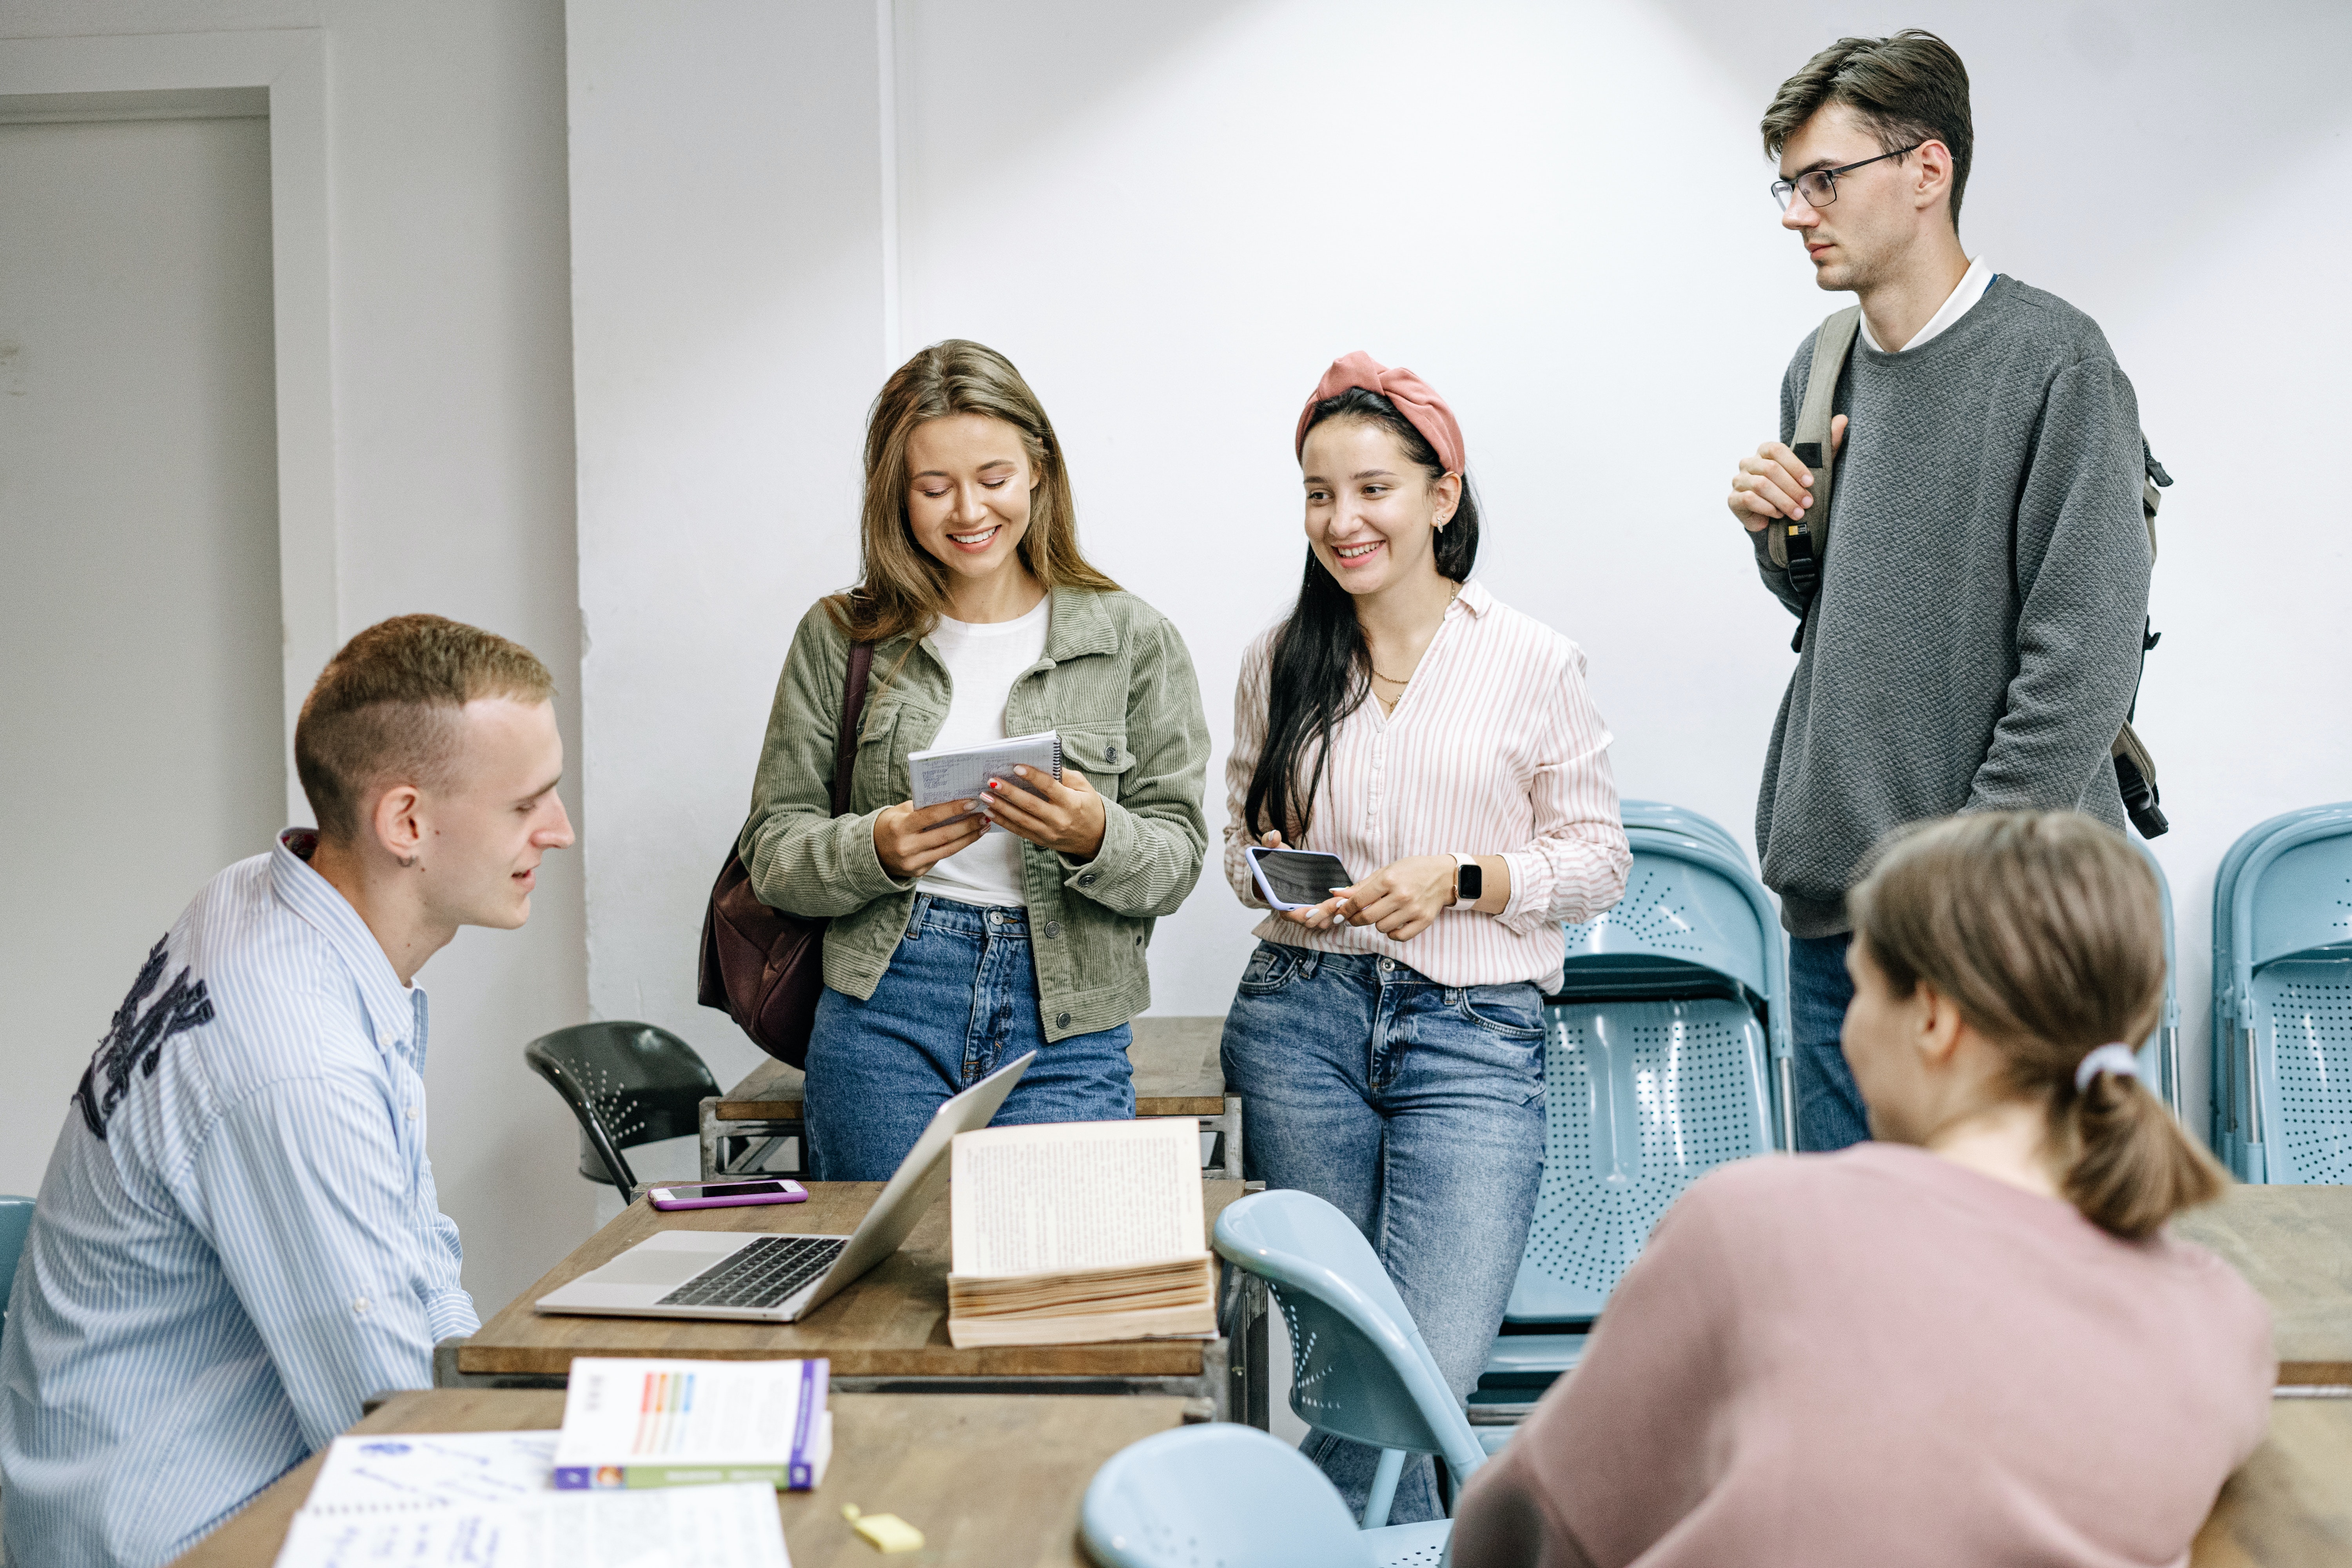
pixel 1389 1040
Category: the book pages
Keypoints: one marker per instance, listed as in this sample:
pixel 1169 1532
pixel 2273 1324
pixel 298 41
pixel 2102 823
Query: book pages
pixel 1076 1195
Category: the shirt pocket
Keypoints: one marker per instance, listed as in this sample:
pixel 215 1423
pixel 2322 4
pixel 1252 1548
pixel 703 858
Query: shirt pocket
pixel 1100 753
pixel 878 775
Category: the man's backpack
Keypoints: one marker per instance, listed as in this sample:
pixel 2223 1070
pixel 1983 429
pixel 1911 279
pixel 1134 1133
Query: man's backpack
pixel 1801 547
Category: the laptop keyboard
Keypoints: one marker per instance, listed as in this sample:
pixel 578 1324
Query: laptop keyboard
pixel 764 1274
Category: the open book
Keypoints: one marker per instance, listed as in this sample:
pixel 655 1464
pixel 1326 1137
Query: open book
pixel 1071 1233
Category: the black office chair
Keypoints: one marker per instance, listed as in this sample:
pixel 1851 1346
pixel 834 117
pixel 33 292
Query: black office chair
pixel 628 1084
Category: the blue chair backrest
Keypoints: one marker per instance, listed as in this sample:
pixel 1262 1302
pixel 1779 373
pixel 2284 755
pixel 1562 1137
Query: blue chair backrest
pixel 2159 1057
pixel 1687 904
pixel 2282 1003
pixel 1359 1367
pixel 1666 816
pixel 16 1220
pixel 1217 1494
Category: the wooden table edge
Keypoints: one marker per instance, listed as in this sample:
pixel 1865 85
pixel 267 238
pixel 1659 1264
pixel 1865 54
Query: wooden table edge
pixel 792 1110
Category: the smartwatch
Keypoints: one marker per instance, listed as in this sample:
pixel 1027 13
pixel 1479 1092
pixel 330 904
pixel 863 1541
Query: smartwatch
pixel 1469 880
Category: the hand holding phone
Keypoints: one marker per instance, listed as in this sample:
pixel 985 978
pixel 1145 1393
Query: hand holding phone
pixel 726 1194
pixel 1297 878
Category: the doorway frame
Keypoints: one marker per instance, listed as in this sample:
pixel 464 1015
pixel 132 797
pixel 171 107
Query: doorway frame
pixel 281 73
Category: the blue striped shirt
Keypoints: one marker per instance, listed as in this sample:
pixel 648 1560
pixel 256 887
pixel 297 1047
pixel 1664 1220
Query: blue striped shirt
pixel 237 1238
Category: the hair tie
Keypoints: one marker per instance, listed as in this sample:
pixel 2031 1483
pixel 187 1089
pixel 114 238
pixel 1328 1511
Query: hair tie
pixel 1414 398
pixel 2117 1058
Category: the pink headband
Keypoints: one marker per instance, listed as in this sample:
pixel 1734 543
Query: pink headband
pixel 1414 398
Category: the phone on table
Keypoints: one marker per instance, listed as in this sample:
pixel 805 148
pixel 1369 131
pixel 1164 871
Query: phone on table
pixel 725 1194
pixel 1297 878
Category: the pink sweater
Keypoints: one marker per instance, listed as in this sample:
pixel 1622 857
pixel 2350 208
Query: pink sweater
pixel 1878 1356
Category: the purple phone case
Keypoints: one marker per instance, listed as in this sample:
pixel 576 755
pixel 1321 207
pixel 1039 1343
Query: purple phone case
pixel 737 1202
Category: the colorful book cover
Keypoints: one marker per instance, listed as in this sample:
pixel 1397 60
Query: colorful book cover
pixel 630 1423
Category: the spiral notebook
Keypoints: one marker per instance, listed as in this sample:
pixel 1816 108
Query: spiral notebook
pixel 961 773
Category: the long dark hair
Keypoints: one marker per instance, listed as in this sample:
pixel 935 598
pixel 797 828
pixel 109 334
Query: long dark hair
pixel 1322 666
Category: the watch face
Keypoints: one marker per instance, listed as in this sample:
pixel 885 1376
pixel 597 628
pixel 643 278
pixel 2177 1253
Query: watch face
pixel 1470 883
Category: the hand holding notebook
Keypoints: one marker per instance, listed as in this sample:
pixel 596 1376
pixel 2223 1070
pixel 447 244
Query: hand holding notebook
pixel 963 772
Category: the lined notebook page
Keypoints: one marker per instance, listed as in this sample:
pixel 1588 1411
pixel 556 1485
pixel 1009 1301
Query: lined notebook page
pixel 1077 1195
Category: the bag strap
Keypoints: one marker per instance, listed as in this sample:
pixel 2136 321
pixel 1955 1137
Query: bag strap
pixel 852 708
pixel 1799 548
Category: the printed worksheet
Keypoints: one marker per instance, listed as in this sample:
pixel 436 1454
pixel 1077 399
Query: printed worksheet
pixel 682 1527
pixel 433 1469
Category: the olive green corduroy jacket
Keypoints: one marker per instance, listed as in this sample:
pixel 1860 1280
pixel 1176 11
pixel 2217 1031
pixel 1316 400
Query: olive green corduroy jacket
pixel 1115 683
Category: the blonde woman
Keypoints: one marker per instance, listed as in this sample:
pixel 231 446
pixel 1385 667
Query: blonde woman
pixel 1971 1341
pixel 952 949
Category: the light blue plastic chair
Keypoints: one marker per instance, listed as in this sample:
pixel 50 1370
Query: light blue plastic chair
pixel 1234 1498
pixel 1359 1366
pixel 1666 817
pixel 2282 1000
pixel 15 1221
pixel 2159 1059
pixel 1665 1054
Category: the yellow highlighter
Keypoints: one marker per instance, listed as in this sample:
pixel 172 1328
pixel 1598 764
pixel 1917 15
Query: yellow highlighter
pixel 885 1532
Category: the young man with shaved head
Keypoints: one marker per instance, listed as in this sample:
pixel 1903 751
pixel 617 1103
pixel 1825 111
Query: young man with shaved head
pixel 1974 641
pixel 238 1238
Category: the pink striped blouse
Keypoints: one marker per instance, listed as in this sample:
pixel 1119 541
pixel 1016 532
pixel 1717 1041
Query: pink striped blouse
pixel 1495 749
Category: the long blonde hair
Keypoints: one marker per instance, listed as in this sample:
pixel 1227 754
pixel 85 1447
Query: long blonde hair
pixel 2046 931
pixel 904 589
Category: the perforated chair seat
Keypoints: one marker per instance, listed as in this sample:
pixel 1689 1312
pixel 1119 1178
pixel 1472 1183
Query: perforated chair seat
pixel 2303 1012
pixel 2282 934
pixel 1640 1099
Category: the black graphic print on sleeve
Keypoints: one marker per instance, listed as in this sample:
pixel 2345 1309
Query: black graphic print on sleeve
pixel 134 1038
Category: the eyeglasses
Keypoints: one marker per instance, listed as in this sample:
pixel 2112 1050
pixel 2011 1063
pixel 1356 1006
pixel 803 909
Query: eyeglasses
pixel 1820 186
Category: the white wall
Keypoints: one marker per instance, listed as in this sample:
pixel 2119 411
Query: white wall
pixel 1173 217
pixel 139 600
pixel 452 446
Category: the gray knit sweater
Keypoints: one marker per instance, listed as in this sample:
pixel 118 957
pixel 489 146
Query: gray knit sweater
pixel 1975 643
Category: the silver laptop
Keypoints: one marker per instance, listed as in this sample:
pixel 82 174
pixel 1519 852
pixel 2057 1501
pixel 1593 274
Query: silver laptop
pixel 781 1279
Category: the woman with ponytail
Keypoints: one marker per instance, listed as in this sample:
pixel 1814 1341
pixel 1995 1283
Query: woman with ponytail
pixel 1970 1342
pixel 1389 1040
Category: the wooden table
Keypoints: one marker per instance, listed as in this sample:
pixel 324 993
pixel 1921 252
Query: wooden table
pixel 986 1477
pixel 2294 1244
pixel 1177 1073
pixel 2291 1504
pixel 887 1333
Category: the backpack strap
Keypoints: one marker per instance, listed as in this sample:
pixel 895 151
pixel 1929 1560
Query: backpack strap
pixel 852 708
pixel 1799 548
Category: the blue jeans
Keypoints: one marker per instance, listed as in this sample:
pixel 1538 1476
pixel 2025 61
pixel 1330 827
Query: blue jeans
pixel 1416 1110
pixel 1830 1115
pixel 958 1000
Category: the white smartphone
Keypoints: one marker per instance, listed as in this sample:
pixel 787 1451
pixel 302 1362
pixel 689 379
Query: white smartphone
pixel 1297 878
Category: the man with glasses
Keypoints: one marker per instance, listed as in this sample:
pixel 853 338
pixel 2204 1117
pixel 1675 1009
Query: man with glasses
pixel 1971 641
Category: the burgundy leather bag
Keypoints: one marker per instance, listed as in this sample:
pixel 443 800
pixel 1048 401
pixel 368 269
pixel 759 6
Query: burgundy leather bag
pixel 761 967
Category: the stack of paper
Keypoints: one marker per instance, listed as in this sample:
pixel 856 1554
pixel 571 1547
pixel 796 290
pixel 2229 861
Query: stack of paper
pixel 694 1423
pixel 487 1499
pixel 1071 1233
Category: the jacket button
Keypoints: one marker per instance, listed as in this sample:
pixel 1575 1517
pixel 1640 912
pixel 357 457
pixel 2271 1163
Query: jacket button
pixel 1052 929
pixel 1110 754
pixel 1087 879
pixel 1061 1020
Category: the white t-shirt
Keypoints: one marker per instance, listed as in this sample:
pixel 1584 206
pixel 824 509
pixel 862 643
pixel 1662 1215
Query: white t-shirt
pixel 983 661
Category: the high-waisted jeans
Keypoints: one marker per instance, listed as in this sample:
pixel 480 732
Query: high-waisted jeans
pixel 958 1000
pixel 1416 1110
